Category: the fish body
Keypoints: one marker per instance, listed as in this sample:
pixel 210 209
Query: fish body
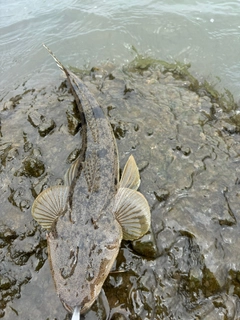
pixel 88 217
pixel 84 242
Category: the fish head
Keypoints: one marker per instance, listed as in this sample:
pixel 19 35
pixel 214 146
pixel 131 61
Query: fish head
pixel 81 257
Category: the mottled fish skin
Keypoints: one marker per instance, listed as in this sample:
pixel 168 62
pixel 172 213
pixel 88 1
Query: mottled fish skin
pixel 84 242
pixel 87 218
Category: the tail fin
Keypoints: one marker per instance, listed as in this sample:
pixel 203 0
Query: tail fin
pixel 76 313
pixel 55 58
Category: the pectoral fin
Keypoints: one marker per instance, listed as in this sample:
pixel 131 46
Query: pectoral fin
pixel 49 204
pixel 133 213
pixel 130 176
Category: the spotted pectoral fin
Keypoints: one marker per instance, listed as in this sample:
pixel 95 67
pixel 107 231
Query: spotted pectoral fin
pixel 72 172
pixel 49 204
pixel 130 176
pixel 133 213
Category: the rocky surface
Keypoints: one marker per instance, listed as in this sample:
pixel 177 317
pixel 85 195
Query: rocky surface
pixel 185 139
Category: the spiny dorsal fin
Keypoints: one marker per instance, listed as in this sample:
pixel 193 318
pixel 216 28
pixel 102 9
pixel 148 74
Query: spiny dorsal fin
pixel 133 213
pixel 130 176
pixel 49 204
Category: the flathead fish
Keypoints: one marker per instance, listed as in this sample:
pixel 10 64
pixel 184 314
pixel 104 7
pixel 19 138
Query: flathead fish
pixel 88 216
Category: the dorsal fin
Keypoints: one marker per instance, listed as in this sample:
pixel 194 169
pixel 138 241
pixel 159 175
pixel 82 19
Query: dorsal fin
pixel 91 169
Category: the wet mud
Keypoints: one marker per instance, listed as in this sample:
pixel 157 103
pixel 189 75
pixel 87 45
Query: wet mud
pixel 185 138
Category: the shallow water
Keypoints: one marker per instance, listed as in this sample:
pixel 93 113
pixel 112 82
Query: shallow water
pixel 206 34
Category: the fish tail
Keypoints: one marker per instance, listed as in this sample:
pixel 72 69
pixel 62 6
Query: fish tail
pixel 76 313
pixel 55 58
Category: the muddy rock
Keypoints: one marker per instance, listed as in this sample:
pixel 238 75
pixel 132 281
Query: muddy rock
pixel 43 124
pixel 185 139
